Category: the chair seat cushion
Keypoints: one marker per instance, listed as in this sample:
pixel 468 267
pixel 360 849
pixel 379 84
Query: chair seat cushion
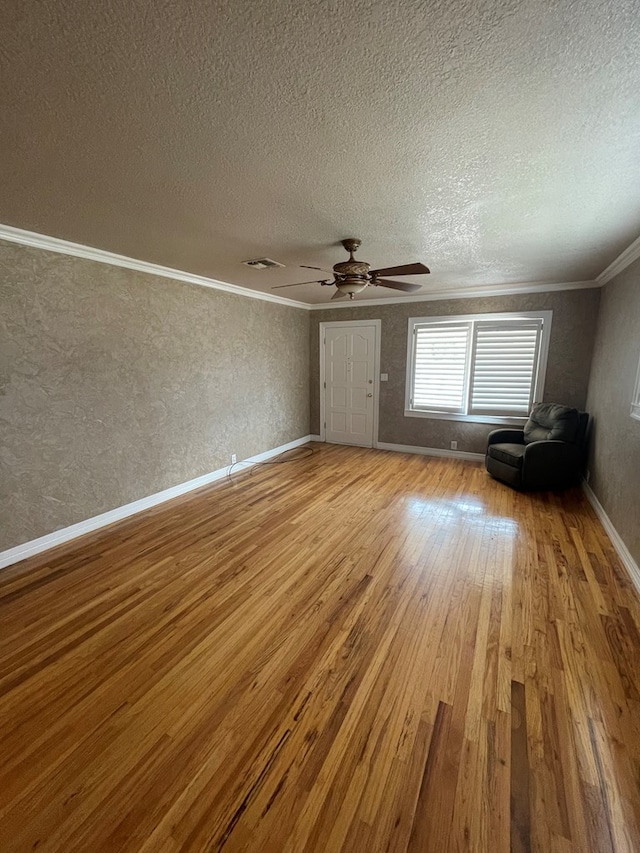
pixel 510 454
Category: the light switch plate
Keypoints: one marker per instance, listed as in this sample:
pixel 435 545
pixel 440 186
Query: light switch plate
pixel 384 377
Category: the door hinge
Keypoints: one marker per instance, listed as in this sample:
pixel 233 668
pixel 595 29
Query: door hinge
pixel 325 424
pixel 325 384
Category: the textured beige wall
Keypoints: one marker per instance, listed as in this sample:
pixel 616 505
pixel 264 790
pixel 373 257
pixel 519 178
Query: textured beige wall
pixel 572 333
pixel 615 448
pixel 117 384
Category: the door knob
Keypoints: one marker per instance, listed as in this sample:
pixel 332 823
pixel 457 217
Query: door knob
pixel 369 395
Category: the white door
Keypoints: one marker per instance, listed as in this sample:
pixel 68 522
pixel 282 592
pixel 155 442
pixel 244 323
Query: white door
pixel 349 380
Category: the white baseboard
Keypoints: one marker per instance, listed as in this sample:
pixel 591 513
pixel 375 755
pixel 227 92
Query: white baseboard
pixel 616 540
pixel 59 537
pixel 314 438
pixel 430 451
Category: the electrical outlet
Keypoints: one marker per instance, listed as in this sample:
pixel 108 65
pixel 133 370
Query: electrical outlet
pixel 234 458
pixel 454 445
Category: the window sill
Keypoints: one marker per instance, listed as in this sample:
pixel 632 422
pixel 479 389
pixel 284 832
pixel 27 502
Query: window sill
pixel 474 419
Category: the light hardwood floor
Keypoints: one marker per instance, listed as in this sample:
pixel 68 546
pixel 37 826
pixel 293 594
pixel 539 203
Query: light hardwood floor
pixel 355 651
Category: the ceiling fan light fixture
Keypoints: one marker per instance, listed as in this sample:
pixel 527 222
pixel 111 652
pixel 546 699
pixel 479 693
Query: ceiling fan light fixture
pixel 351 287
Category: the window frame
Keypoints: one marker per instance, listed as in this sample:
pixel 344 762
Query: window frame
pixel 539 380
pixel 635 400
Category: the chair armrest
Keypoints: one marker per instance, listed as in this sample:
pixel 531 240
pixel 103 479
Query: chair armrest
pixel 553 452
pixel 550 462
pixel 514 435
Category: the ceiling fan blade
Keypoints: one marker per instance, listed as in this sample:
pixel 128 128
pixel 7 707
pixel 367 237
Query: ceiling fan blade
pixel 338 295
pixel 406 286
pixel 296 284
pixel 321 269
pixel 405 269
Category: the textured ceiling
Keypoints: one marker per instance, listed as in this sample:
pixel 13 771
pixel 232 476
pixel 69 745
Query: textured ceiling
pixel 495 141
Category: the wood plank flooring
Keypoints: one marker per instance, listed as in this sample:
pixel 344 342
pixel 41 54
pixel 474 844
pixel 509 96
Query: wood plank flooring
pixel 353 651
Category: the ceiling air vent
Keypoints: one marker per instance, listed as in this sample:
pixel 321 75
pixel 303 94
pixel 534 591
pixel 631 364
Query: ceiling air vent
pixel 262 264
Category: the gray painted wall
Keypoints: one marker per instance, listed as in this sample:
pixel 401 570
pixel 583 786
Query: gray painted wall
pixel 116 384
pixel 572 333
pixel 615 448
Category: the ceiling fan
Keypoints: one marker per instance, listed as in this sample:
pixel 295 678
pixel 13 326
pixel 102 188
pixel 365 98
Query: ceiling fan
pixel 351 277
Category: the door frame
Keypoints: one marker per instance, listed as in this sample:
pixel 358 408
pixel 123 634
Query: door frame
pixel 336 324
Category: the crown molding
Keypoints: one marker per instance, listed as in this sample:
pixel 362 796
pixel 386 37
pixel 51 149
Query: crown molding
pixel 77 250
pixel 465 293
pixel 624 259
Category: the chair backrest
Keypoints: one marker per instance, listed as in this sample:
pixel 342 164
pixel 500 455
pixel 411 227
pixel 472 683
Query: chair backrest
pixel 555 422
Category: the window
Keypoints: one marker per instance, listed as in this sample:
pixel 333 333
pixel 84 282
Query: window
pixel 484 367
pixel 635 401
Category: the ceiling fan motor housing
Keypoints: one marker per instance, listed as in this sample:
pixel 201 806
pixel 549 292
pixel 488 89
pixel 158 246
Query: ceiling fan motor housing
pixel 357 271
pixel 351 276
pixel 352 269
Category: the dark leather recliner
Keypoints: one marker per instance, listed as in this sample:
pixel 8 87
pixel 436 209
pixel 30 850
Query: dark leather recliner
pixel 548 453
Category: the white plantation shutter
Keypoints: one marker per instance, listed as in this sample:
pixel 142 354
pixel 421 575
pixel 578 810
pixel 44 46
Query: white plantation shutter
pixel 477 366
pixel 441 353
pixel 504 367
pixel 635 401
